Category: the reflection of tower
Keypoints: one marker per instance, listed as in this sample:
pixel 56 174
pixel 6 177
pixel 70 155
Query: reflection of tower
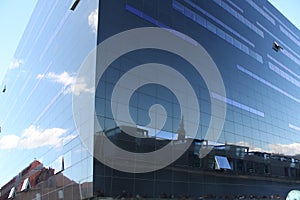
pixel 181 131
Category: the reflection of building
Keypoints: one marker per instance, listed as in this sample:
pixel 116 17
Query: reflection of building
pixel 229 163
pixel 262 100
pixel 254 165
pixel 226 164
pixel 181 131
pixel 37 182
pixel 28 178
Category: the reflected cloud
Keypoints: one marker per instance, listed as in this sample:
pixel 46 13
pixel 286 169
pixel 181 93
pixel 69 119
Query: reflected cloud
pixel 64 78
pixel 9 141
pixel 15 63
pixel 79 86
pixel 40 76
pixel 35 137
pixel 70 83
pixel 285 149
pixel 93 20
pixel 251 147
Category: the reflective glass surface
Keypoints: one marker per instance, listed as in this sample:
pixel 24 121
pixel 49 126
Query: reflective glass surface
pixel 260 136
pixel 42 156
pixel 176 99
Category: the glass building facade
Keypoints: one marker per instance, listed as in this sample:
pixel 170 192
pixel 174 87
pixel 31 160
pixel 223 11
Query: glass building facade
pixel 36 108
pixel 154 99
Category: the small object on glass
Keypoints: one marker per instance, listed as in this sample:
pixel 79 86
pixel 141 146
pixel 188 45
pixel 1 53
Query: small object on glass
pixel 4 89
pixel 276 46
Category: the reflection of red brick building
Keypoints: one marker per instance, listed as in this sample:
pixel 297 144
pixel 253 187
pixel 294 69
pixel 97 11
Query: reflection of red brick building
pixel 35 173
pixel 38 182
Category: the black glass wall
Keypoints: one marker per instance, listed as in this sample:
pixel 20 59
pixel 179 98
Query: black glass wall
pixel 256 151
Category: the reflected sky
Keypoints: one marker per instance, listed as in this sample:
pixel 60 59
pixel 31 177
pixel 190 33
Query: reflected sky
pixel 36 109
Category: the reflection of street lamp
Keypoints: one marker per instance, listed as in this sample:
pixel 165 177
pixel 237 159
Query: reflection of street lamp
pixel 74 5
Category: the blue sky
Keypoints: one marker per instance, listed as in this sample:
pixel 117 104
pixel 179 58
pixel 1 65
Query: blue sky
pixel 290 8
pixel 14 17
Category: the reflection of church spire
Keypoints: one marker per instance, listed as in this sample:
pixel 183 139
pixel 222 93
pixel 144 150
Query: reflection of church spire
pixel 181 131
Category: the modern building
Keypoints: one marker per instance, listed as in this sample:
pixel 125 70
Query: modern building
pixel 156 99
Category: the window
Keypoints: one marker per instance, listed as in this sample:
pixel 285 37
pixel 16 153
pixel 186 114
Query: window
pixel 25 185
pixel 221 162
pixel 60 194
pixel 12 193
pixel 38 196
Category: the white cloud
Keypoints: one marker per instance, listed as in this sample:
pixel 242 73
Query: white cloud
pixel 15 63
pixel 69 82
pixel 40 76
pixel 64 78
pixel 251 147
pixel 9 141
pixel 93 20
pixel 79 86
pixel 35 137
pixel 286 149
